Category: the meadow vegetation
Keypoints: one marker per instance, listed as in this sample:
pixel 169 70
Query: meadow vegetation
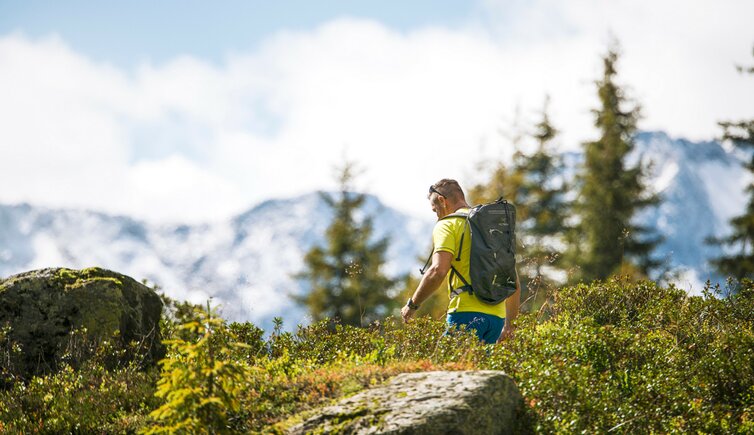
pixel 609 357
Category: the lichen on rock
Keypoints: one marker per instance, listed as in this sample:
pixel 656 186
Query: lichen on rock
pixel 461 402
pixel 44 307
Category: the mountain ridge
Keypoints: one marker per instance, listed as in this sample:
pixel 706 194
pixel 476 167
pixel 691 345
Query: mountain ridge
pixel 245 263
pixel 230 262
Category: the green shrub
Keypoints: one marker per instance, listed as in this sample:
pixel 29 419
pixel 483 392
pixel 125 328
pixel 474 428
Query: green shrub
pixel 625 357
pixel 200 383
pixel 611 357
pixel 90 399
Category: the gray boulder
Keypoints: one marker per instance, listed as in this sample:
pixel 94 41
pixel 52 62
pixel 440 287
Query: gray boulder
pixel 463 402
pixel 40 309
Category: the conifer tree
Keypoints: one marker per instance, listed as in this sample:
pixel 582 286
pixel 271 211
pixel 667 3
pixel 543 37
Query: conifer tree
pixel 606 240
pixel 346 277
pixel 200 382
pixel 739 263
pixel 542 192
pixel 533 183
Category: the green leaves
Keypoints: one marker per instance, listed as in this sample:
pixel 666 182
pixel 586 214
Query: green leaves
pixel 612 357
pixel 626 357
pixel 201 382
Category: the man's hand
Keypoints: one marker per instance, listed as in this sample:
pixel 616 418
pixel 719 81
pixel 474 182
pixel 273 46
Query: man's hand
pixel 407 313
pixel 429 283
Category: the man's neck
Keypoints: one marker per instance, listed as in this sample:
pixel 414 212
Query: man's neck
pixel 460 206
pixel 455 207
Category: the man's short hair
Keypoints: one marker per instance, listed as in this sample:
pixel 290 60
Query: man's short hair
pixel 449 189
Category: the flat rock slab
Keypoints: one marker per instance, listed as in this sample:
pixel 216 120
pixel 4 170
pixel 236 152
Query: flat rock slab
pixel 440 402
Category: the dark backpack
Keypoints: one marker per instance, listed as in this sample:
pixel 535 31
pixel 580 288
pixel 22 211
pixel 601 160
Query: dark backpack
pixel 492 266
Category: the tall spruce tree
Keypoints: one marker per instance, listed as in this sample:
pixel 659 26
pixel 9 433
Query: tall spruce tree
pixel 739 263
pixel 606 240
pixel 347 282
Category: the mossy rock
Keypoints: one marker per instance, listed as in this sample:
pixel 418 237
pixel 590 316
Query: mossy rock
pixel 42 310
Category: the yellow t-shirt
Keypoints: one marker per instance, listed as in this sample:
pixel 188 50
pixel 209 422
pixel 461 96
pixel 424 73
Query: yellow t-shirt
pixel 446 236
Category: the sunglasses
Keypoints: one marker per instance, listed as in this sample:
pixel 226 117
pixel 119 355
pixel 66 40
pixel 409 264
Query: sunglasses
pixel 433 190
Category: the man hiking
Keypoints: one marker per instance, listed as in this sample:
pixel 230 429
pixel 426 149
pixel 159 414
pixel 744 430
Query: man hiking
pixel 492 323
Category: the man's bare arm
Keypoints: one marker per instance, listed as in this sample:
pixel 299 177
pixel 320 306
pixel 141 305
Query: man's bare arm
pixel 430 282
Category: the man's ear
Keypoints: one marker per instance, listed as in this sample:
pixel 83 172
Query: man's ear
pixel 435 200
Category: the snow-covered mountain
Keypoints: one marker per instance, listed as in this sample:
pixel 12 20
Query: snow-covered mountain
pixel 245 263
pixel 702 186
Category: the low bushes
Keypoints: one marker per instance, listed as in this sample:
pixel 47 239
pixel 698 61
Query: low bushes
pixel 626 357
pixel 615 356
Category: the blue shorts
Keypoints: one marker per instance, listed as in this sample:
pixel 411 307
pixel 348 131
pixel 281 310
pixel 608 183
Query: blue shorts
pixel 486 326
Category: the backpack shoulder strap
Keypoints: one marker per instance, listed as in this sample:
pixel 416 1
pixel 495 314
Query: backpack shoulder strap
pixel 464 216
pixel 453 270
pixel 454 215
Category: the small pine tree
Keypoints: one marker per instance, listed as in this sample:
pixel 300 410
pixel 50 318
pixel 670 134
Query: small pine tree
pixel 347 282
pixel 606 241
pixel 201 383
pixel 740 263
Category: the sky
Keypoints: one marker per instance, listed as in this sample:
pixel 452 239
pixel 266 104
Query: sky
pixel 189 111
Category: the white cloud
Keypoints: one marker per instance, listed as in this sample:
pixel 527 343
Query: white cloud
pixel 189 140
pixel 60 142
pixel 177 185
